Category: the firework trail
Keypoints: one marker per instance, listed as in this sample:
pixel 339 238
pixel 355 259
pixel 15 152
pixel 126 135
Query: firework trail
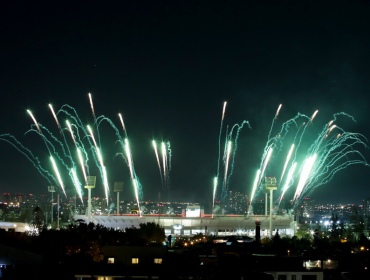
pixel 77 186
pixel 93 113
pixel 286 162
pixel 38 128
pixel 273 121
pixel 304 175
pixel 29 155
pixel 77 183
pixel 227 164
pixel 169 160
pixel 219 139
pixel 288 180
pixel 159 165
pixel 55 117
pixel 123 125
pixel 105 180
pixel 164 156
pixel 214 194
pixel 80 146
pixel 70 130
pixel 224 194
pixel 82 164
pixel 333 157
pixel 137 195
pixel 58 175
pixel 48 142
pixel 92 136
pixel 267 159
pixel 278 110
pixel 129 159
pixel 34 120
pixel 313 116
pixel 92 107
pixel 255 185
pixel 78 124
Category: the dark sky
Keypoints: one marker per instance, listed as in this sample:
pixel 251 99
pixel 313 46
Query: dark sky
pixel 168 68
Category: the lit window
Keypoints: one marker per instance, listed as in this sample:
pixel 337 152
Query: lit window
pixel 135 260
pixel 158 261
pixel 110 260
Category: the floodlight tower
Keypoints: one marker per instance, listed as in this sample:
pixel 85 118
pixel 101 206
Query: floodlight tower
pixel 91 180
pixel 265 191
pixel 270 183
pixel 118 187
pixel 52 190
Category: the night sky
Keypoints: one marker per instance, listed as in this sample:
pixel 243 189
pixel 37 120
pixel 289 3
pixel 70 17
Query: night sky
pixel 168 68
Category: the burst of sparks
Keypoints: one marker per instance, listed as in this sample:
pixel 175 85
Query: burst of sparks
pixel 58 175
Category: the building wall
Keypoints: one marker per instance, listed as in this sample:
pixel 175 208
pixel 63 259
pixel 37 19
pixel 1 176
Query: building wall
pixel 178 225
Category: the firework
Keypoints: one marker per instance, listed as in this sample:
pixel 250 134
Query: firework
pixel 137 195
pixel 227 161
pixel 71 131
pixel 34 120
pixel 58 175
pixel 55 117
pixel 92 106
pixel 82 164
pixel 255 184
pixel 129 159
pixel 223 111
pixel 289 178
pixel 92 136
pixel 156 154
pixel 278 110
pixel 265 164
pixel 77 183
pixel 314 115
pixel 214 194
pixel 164 156
pixel 286 162
pixel 304 175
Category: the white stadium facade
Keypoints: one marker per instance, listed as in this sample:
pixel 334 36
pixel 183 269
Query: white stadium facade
pixel 183 225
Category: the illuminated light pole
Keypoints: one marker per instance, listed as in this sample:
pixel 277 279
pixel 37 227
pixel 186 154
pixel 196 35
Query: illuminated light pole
pixel 91 180
pixel 270 183
pixel 118 187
